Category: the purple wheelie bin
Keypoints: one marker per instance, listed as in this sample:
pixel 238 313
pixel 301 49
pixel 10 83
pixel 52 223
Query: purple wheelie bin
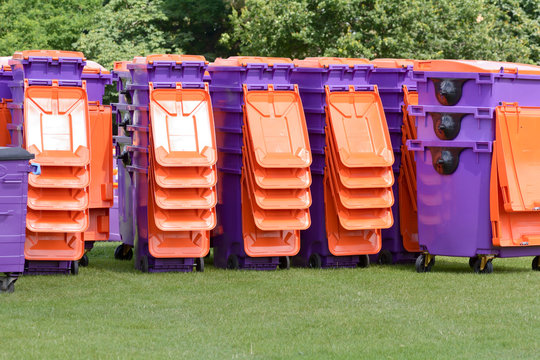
pixel 227 78
pixel 312 75
pixel 14 169
pixel 456 129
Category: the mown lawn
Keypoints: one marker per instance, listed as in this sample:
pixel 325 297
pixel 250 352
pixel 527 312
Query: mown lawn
pixel 112 311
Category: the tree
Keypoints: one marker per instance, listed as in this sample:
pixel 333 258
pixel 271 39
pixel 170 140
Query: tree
pixel 124 29
pixel 419 29
pixel 44 24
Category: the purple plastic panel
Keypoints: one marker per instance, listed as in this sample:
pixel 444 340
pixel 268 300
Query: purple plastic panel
pixel 5 78
pixel 394 118
pixel 47 68
pixel 476 89
pixel 167 71
pixel 438 122
pixel 233 77
pixel 230 162
pixel 392 78
pixel 229 140
pixel 391 98
pixel 47 267
pixel 317 143
pixel 317 164
pixel 95 85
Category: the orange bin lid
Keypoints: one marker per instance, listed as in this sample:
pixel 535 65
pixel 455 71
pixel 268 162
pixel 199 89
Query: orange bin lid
pixel 361 219
pixel 282 219
pixel 510 228
pixel 392 63
pixel 259 243
pixel 56 124
pixel 185 198
pixel 121 65
pixel 408 217
pixel 53 246
pixel 56 221
pixel 60 177
pixel 475 66
pixel 358 178
pixel 323 62
pixel 366 198
pixel 184 177
pixel 57 198
pixel 518 151
pixel 182 127
pixel 185 219
pixel 178 58
pixel 175 244
pixel 244 60
pixel 275 178
pixel 342 242
pixel 358 125
pixel 276 199
pixel 277 128
pixel 55 54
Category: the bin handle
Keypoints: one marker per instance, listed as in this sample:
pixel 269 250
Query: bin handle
pixel 35 168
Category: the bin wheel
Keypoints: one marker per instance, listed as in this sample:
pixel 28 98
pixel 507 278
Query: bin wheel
pixel 315 261
pixel 285 263
pixel 364 261
pixel 420 264
pixel 232 262
pixel 536 263
pixel 118 252
pixel 74 267
pixel 199 264
pixel 144 264
pixel 84 261
pixel 488 269
pixel 472 261
pixel 11 287
pixel 385 258
pixel 7 285
pixel 129 255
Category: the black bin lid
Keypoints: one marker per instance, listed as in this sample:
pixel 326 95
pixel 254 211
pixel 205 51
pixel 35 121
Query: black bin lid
pixel 14 153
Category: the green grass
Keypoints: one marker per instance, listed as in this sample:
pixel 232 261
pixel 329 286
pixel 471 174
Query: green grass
pixel 390 312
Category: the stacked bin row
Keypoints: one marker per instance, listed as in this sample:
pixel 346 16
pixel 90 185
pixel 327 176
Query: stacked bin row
pixel 392 76
pixel 50 118
pixel 263 162
pixel 331 241
pixel 475 153
pixel 172 160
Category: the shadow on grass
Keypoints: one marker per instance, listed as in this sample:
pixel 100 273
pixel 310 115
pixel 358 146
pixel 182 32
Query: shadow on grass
pixel 445 266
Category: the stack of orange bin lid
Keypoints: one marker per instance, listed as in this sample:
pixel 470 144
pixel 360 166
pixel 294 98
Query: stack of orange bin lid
pixel 358 176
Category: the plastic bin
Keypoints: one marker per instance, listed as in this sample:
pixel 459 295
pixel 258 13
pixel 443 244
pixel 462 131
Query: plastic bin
pixel 47 65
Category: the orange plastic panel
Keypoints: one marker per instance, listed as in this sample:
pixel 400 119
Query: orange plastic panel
pixel 53 246
pixel 476 66
pixel 259 243
pixel 178 58
pixel 185 198
pixel 276 199
pixel 282 219
pixel 56 220
pixel 321 62
pixel 101 162
pixel 392 63
pixel 55 54
pixel 182 127
pixel 518 151
pixel 56 125
pixel 5 118
pixel 276 178
pixel 366 198
pixel 408 217
pixel 185 219
pixel 510 228
pixel 359 178
pixel 98 226
pixel 277 128
pixel 57 198
pixel 359 128
pixel 244 60
pixel 121 65
pixel 60 177
pixel 184 177
pixel 409 123
pixel 361 219
pixel 175 244
pixel 342 242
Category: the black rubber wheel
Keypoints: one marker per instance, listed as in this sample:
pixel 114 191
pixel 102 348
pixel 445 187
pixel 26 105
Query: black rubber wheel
pixel 144 264
pixel 364 261
pixel 129 255
pixel 385 258
pixel 315 261
pixel 536 263
pixel 74 267
pixel 119 252
pixel 472 260
pixel 420 264
pixel 199 264
pixel 232 262
pixel 488 269
pixel 84 261
pixel 285 263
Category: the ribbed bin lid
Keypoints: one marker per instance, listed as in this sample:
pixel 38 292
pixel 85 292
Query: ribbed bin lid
pixel 475 66
pixel 14 153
